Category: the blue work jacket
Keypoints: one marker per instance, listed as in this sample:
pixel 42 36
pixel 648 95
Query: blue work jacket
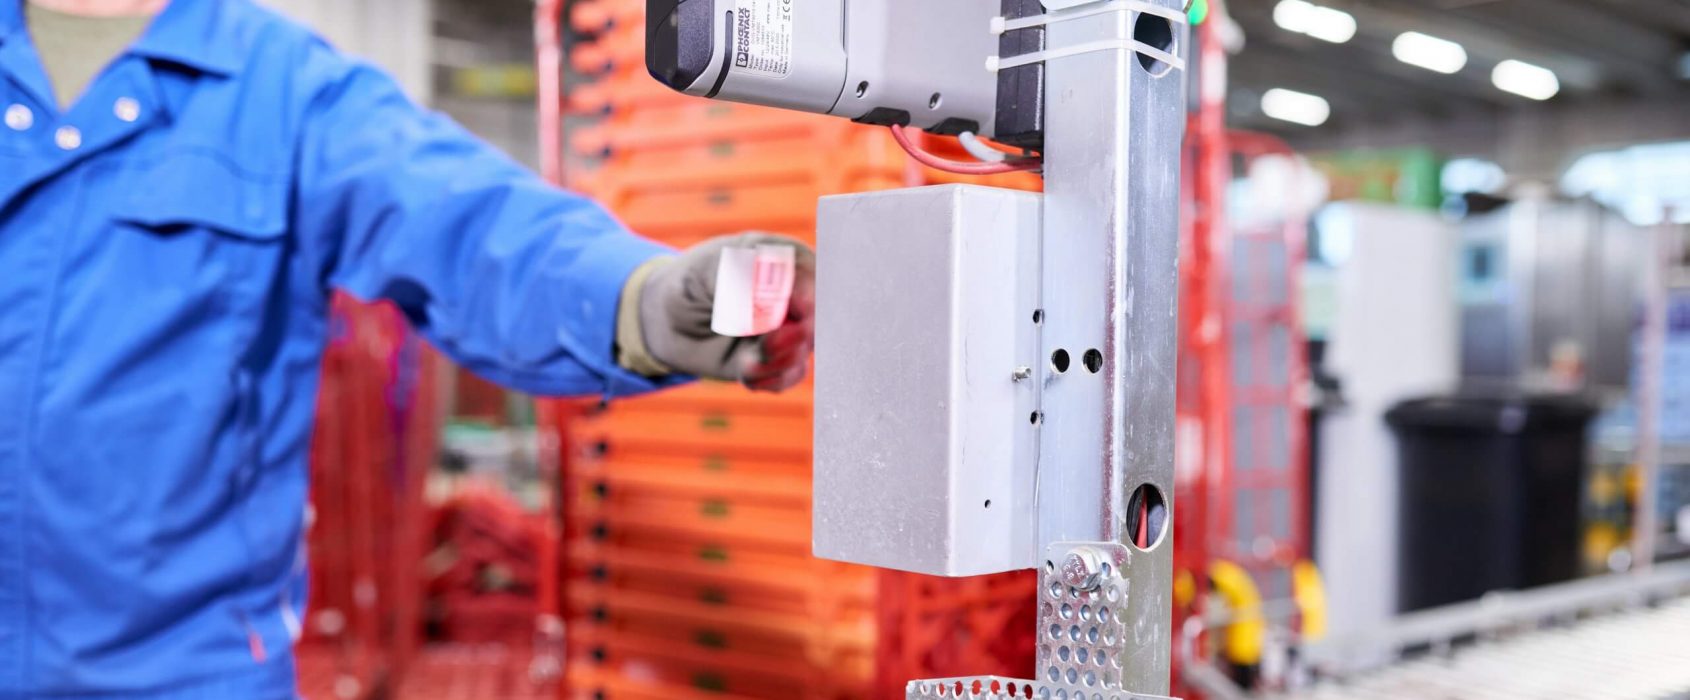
pixel 168 249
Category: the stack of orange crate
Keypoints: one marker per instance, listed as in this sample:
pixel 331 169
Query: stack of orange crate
pixel 688 513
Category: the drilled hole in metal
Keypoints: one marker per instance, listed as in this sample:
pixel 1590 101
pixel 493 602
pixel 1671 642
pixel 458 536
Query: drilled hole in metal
pixel 1157 32
pixel 1147 517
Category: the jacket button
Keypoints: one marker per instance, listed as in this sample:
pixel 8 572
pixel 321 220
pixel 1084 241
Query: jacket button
pixel 68 138
pixel 127 109
pixel 19 117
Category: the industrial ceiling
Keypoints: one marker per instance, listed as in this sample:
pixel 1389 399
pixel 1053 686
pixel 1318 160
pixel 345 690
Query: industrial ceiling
pixel 1599 50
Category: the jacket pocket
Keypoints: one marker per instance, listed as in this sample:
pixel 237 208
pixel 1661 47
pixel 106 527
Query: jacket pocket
pixel 194 187
pixel 213 233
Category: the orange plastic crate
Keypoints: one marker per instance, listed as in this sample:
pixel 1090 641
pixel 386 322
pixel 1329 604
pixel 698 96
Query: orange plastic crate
pixel 851 150
pixel 782 485
pixel 706 644
pixel 789 533
pixel 796 599
pixel 614 97
pixel 698 553
pixel 592 683
pixel 718 432
pixel 846 583
pixel 708 491
pixel 618 49
pixel 750 668
pixel 702 512
pixel 603 15
pixel 844 631
pixel 611 138
pixel 723 396
pixel 787 483
pixel 703 111
pixel 776 166
pixel 640 680
pixel 700 213
pixel 699 676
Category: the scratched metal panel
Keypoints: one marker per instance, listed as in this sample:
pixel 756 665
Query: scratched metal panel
pixel 924 445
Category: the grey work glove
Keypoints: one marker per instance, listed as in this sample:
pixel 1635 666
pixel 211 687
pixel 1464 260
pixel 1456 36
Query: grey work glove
pixel 663 322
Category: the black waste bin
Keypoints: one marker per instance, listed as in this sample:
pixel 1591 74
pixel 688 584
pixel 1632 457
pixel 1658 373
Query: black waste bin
pixel 1490 494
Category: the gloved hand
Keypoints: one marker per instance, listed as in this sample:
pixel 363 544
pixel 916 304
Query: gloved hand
pixel 663 321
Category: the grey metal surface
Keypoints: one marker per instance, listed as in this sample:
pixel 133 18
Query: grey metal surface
pixel 1542 274
pixel 1112 156
pixel 1619 636
pixel 1501 613
pixel 1639 654
pixel 849 57
pixel 927 58
pixel 924 438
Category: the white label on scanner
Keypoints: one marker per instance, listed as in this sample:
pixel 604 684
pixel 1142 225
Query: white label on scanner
pixel 763 37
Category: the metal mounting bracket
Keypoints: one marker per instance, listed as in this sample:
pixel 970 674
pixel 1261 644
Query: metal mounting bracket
pixel 1086 636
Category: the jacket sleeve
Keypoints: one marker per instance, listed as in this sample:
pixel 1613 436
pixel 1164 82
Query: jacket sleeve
pixel 512 278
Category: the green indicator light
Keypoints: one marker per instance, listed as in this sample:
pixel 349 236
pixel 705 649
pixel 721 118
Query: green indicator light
pixel 1199 11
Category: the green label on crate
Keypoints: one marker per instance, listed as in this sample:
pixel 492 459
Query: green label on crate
pixel 716 463
pixel 713 553
pixel 716 421
pixel 714 509
pixel 713 596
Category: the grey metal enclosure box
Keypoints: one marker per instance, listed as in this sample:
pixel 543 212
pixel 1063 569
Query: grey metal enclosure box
pixel 1541 275
pixel 925 391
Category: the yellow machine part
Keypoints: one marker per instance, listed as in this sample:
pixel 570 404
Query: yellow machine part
pixel 1242 640
pixel 1309 591
pixel 1185 589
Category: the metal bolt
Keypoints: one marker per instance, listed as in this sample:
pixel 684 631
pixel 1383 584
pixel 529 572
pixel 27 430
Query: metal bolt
pixel 1022 374
pixel 1083 568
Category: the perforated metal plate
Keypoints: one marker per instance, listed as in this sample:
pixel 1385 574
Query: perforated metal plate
pixel 1083 634
pixel 994 688
pixel 1082 631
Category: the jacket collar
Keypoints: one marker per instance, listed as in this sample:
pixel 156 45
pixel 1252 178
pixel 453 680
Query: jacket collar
pixel 197 34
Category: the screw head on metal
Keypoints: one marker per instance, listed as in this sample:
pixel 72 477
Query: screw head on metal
pixel 1083 568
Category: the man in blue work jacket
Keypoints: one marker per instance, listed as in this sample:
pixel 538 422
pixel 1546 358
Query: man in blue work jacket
pixel 182 183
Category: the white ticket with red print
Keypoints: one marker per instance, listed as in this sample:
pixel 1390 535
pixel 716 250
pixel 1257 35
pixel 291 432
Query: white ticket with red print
pixel 753 290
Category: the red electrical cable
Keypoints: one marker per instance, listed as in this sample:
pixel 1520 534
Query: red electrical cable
pixel 900 135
